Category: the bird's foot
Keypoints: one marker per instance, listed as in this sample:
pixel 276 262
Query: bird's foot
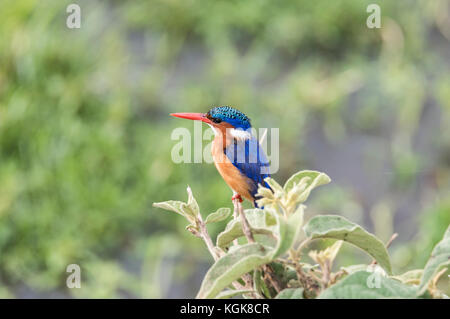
pixel 237 196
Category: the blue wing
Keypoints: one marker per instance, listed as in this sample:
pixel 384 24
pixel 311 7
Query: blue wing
pixel 249 158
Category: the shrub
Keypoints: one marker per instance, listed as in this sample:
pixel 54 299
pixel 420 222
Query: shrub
pixel 260 252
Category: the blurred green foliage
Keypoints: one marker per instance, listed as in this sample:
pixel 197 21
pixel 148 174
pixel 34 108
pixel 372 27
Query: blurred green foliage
pixel 85 134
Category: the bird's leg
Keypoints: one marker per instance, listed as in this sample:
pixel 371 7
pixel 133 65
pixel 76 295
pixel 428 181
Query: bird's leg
pixel 239 213
pixel 235 212
pixel 236 196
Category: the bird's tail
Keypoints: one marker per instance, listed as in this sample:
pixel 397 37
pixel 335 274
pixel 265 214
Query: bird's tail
pixel 255 198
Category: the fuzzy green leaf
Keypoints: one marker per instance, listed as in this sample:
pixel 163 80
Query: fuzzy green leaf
pixel 191 204
pixel 440 256
pixel 177 207
pixel 258 224
pixel 189 210
pixel 337 227
pixel 234 231
pixel 259 284
pixel 410 277
pixel 315 179
pixel 218 216
pixel 367 285
pixel 288 231
pixel 232 266
pixel 290 293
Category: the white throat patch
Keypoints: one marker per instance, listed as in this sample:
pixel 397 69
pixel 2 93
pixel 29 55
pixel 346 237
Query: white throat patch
pixel 239 134
pixel 235 133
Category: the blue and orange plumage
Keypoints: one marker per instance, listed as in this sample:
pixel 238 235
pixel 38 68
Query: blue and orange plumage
pixel 237 154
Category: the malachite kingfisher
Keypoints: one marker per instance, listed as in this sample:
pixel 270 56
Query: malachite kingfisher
pixel 237 154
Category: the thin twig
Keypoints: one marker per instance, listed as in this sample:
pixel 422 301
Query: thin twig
pixel 207 239
pixel 217 254
pixel 272 278
pixel 245 225
pixel 326 273
pixel 388 244
pixel 298 269
pixel 238 211
pixel 235 217
pixel 336 276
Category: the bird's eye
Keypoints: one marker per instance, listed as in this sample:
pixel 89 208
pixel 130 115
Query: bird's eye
pixel 216 120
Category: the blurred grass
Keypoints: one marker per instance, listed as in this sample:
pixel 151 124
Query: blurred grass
pixel 85 133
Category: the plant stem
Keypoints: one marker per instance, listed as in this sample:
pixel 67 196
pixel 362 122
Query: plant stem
pixel 216 253
pixel 207 239
pixel 272 278
pixel 245 225
pixel 249 235
pixel 326 272
pixel 395 235
pixel 306 280
pixel 246 229
pixel 388 244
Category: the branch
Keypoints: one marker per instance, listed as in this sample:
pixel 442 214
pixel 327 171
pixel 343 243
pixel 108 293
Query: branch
pixel 203 234
pixel 238 210
pixel 207 239
pixel 395 235
pixel 388 244
pixel 272 278
pixel 245 225
pixel 246 229
pixel 268 271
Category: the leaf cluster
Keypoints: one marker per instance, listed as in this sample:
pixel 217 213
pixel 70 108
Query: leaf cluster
pixel 271 263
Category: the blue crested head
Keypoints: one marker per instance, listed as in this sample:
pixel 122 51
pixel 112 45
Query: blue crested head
pixel 229 115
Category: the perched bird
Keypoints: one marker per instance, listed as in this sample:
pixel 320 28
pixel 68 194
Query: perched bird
pixel 237 154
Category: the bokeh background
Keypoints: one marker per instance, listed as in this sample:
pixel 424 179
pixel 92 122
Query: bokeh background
pixel 85 144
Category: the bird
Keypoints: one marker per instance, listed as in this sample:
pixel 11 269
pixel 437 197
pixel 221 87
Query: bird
pixel 236 152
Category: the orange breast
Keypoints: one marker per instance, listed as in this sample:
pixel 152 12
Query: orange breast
pixel 232 176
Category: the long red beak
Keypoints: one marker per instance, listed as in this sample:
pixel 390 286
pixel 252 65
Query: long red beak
pixel 192 116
